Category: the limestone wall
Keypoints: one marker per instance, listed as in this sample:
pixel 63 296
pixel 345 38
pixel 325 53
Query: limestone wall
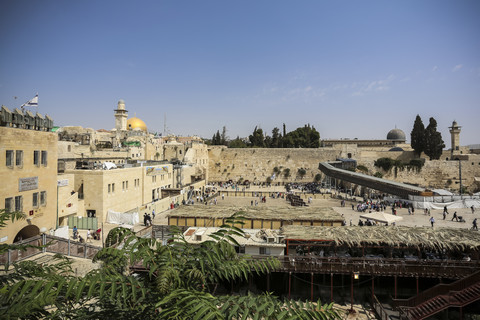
pixel 258 164
pixel 25 180
pixel 441 174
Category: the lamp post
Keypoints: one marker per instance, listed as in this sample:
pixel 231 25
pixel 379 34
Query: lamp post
pixel 355 276
pixel 460 175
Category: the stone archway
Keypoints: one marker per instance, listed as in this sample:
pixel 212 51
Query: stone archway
pixel 27 232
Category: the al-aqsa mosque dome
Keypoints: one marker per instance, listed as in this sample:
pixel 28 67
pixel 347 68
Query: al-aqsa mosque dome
pixel 396 135
pixel 136 123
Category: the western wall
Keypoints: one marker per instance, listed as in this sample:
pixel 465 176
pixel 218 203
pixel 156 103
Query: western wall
pixel 258 164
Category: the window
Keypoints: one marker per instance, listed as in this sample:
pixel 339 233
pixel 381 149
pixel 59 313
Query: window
pixel 19 158
pixel 264 250
pixel 153 194
pixel 123 185
pixel 19 203
pixel 113 187
pixel 43 198
pixel 35 200
pixel 8 205
pixel 239 249
pixel 36 158
pixel 109 188
pixel 126 184
pixel 44 158
pixel 9 160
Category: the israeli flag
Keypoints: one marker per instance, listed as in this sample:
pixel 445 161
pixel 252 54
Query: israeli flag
pixel 32 103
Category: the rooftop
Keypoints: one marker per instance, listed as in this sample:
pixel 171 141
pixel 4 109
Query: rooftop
pixel 253 237
pixel 425 237
pixel 269 213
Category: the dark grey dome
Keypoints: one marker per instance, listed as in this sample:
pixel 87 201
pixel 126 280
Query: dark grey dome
pixel 396 134
pixel 396 149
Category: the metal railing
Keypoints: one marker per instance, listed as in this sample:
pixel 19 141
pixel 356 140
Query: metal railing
pixel 379 309
pixel 438 290
pixel 453 269
pixel 48 243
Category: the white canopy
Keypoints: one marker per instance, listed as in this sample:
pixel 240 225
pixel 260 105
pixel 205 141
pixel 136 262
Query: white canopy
pixel 109 165
pixel 381 217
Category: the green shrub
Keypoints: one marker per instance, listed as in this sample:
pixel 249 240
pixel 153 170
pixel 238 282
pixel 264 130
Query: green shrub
pixel 385 163
pixel 378 174
pixel 362 168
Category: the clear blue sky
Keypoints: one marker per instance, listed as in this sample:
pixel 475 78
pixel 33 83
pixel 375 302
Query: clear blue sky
pixel 352 69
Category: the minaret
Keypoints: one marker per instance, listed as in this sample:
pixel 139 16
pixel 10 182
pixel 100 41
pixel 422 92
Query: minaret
pixel 121 116
pixel 455 134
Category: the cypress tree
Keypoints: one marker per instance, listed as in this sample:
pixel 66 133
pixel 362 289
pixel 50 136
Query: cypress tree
pixel 433 141
pixel 417 136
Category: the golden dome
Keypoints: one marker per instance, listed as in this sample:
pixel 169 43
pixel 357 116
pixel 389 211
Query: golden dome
pixel 135 123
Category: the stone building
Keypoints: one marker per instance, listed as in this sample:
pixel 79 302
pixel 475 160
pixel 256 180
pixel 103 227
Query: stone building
pixel 28 170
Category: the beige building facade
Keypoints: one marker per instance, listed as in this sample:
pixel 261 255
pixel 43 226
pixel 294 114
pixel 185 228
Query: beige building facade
pixel 121 189
pixel 28 171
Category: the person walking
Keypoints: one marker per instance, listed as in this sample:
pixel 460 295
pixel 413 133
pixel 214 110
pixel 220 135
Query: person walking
pixel 474 224
pixel 455 216
pixel 432 221
pixel 89 235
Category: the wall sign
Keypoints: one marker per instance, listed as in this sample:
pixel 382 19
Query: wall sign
pixel 25 184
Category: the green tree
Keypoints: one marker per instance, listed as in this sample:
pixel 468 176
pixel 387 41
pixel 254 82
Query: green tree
pixel 303 137
pixel 276 138
pixel 178 283
pixel 237 143
pixel 433 141
pixel 301 172
pixel 417 136
pixel 223 137
pixel 257 139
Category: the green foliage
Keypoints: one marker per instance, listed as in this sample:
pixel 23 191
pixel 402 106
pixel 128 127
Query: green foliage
pixel 378 174
pixel 237 143
pixel 318 177
pixel 417 136
pixel 303 137
pixel 362 168
pixel 433 141
pixel 257 139
pixel 416 164
pixel 267 306
pixel 385 163
pixel 286 172
pixel 178 283
pixel 302 172
pixel 276 141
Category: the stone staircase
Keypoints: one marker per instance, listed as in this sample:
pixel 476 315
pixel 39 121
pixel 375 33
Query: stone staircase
pixel 458 294
pixel 296 201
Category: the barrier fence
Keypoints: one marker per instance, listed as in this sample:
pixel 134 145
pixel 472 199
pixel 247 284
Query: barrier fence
pixel 48 243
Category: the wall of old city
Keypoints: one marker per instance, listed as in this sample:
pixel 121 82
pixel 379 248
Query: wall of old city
pixel 258 164
pixel 440 174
